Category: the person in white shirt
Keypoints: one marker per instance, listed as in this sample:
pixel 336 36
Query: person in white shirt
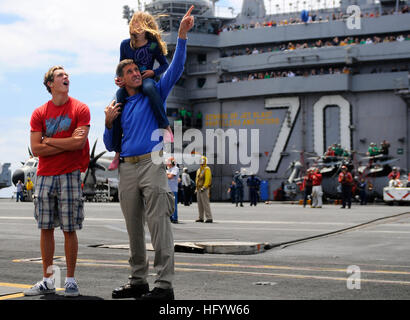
pixel 400 38
pixel 19 193
pixel 172 174
pixel 186 184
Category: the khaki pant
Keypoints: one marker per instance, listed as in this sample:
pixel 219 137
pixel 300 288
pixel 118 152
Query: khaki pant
pixel 317 194
pixel 203 204
pixel 145 196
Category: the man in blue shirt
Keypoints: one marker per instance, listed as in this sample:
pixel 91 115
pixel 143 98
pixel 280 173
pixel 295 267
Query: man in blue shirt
pixel 19 193
pixel 143 188
pixel 238 188
pixel 253 183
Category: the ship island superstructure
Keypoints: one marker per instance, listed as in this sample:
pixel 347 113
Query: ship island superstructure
pixel 301 85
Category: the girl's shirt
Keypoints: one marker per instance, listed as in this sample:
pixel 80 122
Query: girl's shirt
pixel 144 56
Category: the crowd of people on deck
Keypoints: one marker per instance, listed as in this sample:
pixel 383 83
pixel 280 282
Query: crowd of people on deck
pixel 349 185
pixel 284 74
pixel 312 18
pixel 374 150
pixel 336 150
pixel 236 189
pixel 318 43
pixel 306 72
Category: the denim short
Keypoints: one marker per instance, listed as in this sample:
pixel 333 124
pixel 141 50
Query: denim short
pixel 58 202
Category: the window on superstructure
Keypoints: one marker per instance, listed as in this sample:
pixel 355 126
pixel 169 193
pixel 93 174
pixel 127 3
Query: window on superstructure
pixel 201 58
pixel 200 82
pixel 180 82
pixel 165 25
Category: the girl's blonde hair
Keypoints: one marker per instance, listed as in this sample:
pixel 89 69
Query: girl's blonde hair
pixel 147 22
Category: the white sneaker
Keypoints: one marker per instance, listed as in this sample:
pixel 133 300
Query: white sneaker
pixel 40 288
pixel 71 289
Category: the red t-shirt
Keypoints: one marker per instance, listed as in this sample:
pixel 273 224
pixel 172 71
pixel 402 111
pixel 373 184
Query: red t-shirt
pixel 60 122
pixel 317 179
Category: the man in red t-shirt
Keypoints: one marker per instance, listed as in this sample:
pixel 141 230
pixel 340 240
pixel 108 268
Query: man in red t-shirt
pixel 346 180
pixel 59 137
pixel 317 191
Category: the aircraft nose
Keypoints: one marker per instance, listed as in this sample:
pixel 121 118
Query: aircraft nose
pixel 18 175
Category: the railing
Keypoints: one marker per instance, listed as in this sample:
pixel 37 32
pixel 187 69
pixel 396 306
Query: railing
pixel 318 83
pixel 318 56
pixel 201 68
pixel 300 32
pixel 178 92
pixel 204 93
pixel 296 85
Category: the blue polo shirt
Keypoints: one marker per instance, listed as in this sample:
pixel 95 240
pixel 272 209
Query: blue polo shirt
pixel 137 119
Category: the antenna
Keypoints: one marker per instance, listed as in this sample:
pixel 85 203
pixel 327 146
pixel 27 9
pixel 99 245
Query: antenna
pixel 213 6
pixel 232 10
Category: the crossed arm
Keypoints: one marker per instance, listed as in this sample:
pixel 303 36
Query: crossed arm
pixel 45 146
pixel 170 175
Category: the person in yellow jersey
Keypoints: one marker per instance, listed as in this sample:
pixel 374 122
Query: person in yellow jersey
pixel 29 188
pixel 203 184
